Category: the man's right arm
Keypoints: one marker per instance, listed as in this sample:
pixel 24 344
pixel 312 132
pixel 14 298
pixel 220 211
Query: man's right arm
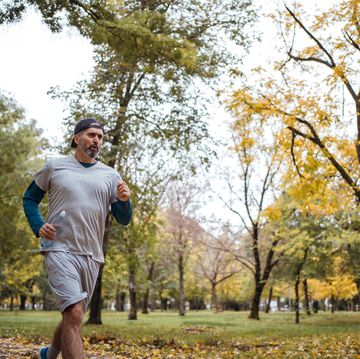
pixel 31 200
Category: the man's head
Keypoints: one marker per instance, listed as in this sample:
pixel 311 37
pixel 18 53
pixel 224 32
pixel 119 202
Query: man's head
pixel 88 137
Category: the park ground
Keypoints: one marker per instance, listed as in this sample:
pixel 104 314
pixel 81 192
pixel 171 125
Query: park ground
pixel 197 335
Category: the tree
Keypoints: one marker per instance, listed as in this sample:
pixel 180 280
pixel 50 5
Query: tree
pixel 155 32
pixel 346 234
pixel 182 230
pixel 308 96
pixel 311 109
pixel 129 23
pixel 115 277
pixel 259 164
pixel 305 253
pixel 20 144
pixel 216 263
pixel 335 288
pixel 164 279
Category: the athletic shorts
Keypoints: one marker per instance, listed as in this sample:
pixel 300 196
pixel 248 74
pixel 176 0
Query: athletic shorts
pixel 72 277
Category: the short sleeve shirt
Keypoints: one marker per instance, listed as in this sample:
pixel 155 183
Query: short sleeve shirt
pixel 85 194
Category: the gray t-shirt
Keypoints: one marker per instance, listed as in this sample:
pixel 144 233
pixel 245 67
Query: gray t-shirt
pixel 85 194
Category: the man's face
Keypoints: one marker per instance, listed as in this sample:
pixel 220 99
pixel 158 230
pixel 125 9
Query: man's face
pixel 90 141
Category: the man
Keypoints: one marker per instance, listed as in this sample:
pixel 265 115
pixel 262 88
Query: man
pixel 81 190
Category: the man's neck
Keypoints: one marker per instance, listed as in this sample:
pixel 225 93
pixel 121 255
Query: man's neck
pixel 81 157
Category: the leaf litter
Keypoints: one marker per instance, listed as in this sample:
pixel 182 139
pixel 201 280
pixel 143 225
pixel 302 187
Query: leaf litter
pixel 107 346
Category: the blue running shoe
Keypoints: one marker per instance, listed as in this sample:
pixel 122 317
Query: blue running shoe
pixel 43 352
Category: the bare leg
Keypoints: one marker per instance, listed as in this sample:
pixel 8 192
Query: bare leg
pixel 57 336
pixel 71 343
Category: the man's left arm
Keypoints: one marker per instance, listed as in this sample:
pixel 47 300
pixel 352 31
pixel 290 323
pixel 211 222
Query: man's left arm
pixel 122 208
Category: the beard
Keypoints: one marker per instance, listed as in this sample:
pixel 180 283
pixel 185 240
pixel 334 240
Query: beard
pixel 89 151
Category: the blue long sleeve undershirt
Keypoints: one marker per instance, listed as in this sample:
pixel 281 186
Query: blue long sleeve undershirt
pixel 122 211
pixel 31 200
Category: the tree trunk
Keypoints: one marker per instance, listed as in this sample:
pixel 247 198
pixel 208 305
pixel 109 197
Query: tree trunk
pixel 163 303
pixel 255 302
pixel 333 303
pixel 306 294
pixel 297 299
pixel 278 302
pixel 132 296
pixel 152 303
pixel 358 139
pixel 260 278
pixel 268 305
pixel 297 284
pixel 96 300
pixel 354 303
pixel 145 302
pixel 214 298
pixel 120 301
pixel 181 286
pixel 33 302
pixel 315 306
pixel 117 300
pixel 11 303
pixel 22 302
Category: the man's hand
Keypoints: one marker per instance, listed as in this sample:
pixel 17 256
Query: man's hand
pixel 47 231
pixel 123 191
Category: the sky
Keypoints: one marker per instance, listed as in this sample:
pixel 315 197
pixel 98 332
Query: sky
pixel 33 59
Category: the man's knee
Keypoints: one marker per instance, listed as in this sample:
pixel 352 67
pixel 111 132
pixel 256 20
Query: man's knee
pixel 74 314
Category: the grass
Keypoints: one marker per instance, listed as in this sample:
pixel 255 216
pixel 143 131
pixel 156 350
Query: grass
pixel 315 333
pixel 167 325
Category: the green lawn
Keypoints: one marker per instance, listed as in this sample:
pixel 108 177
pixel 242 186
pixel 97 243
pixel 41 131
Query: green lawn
pixel 203 334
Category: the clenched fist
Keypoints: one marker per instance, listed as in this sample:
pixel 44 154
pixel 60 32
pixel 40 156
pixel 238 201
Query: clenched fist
pixel 47 231
pixel 123 191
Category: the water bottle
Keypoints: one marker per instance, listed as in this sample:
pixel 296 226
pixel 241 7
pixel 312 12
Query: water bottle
pixel 59 220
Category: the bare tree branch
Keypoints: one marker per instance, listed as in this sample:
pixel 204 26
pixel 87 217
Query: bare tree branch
pixel 350 40
pixel 311 58
pixel 293 154
pixel 246 193
pixel 234 211
pixel 244 263
pixel 332 62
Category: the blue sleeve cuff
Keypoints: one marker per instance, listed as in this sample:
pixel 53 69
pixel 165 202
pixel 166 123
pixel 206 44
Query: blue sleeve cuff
pixel 31 200
pixel 122 211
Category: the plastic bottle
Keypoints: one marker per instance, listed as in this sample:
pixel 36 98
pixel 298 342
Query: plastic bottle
pixel 59 220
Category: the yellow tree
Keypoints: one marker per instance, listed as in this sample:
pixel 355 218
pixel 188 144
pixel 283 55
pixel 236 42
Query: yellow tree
pixel 340 285
pixel 311 99
pixel 252 190
pixel 312 94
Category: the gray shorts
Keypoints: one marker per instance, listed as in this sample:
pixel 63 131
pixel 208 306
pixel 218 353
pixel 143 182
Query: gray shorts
pixel 72 277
